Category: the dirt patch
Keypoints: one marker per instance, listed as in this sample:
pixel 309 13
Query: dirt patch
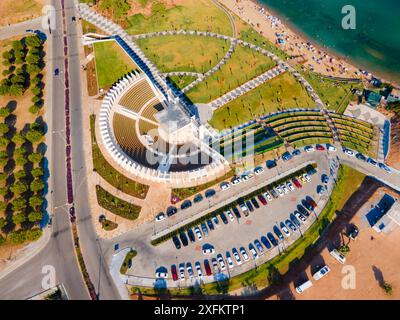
pixel 136 7
pixel 14 11
pixel 374 256
pixel 393 158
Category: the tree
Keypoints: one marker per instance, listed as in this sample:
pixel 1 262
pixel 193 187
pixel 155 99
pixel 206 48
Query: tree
pixel 388 288
pixel 19 187
pixel 19 152
pixel 7 55
pixel 21 161
pixel 18 204
pixel 4 89
pixel 35 216
pixel 20 174
pixel 4 128
pixel 18 139
pixel 34 109
pixel 37 172
pixel 35 157
pixel 32 58
pixel 33 69
pixel 35 201
pixel 35 99
pixel 4 142
pixel 4 112
pixel 3 191
pixel 17 45
pixel 37 185
pixel 3 206
pixel 33 41
pixel 16 90
pixel 3 222
pixel 3 176
pixel 18 218
pixel 34 135
pixel 36 90
pixel 3 158
pixel 18 79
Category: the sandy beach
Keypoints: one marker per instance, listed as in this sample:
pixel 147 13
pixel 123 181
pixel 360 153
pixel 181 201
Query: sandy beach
pixel 272 28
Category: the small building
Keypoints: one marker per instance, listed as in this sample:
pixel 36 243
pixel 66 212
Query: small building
pixel 389 218
pixel 373 99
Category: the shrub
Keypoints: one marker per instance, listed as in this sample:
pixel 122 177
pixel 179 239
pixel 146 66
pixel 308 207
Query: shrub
pixel 18 138
pixel 4 128
pixel 37 185
pixel 35 216
pixel 35 157
pixel 37 172
pixel 4 112
pixel 18 218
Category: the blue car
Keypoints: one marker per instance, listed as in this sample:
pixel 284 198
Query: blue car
pixel 56 71
pixel 223 218
pixel 286 156
pixel 265 242
pixel 197 198
pixel 209 193
pixel 210 224
pixel 296 152
pixel 272 239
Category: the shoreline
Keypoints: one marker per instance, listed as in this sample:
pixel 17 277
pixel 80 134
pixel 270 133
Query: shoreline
pixel 319 58
pixel 382 75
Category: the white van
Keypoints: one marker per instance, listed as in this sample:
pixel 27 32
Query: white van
pixel 321 272
pixel 303 287
pixel 338 256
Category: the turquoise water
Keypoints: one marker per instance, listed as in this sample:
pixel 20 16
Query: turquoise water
pixel 375 43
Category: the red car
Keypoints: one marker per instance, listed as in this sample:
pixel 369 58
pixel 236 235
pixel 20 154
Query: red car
pixel 207 267
pixel 297 183
pixel 174 273
pixel 311 202
pixel 262 199
pixel 319 147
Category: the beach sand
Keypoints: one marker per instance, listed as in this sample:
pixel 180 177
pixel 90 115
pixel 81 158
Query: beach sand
pixel 295 44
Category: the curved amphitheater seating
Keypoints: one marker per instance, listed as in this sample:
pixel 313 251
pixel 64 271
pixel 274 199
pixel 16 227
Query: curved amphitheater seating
pixel 152 109
pixel 137 96
pixel 145 126
pixel 135 166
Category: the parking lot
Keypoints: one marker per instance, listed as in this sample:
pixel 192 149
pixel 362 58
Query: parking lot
pixel 236 234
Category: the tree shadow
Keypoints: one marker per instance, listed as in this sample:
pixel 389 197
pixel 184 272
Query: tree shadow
pixel 378 275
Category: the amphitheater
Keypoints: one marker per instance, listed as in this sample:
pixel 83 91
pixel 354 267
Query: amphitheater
pixel 151 137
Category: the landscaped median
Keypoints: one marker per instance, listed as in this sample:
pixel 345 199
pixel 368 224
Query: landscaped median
pixel 209 215
pixel 348 182
pixel 116 205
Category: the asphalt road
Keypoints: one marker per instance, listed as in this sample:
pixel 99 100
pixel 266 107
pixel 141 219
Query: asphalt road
pixel 26 280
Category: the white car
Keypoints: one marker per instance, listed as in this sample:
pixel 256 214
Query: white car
pixel 268 196
pixel 237 256
pixel 198 233
pixel 290 186
pixel 244 254
pixel 243 207
pixel 236 180
pixel 253 252
pixel 285 230
pixel 225 186
pixel 230 215
pixel 161 275
pixel 209 250
pixel 245 177
pixel 198 269
pixel 258 170
pixel 300 216
pixel 285 190
pixel 331 147
pixel 349 152
pixel 229 260
pixel 182 272
pixel 321 272
pixel 307 177
pixel 221 262
pixel 189 270
pixel 215 222
pixel 309 149
pixel 160 217
pixel 279 190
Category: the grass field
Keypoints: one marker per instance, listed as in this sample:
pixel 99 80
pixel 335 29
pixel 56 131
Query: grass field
pixel 116 205
pixel 243 65
pixel 129 256
pixel 335 94
pixel 112 63
pixel 282 92
pixel 184 52
pixel 347 183
pixel 112 176
pixel 201 15
pixel 181 81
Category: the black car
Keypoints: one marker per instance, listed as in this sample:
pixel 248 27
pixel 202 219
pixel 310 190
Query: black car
pixel 272 239
pixel 191 235
pixel 171 211
pixel 210 224
pixel 186 204
pixel 361 157
pixel 255 203
pixel 274 194
pixel 303 210
pixel 307 205
pixel 236 212
pixel 209 193
pixel 278 233
pixel 184 239
pixel 72 211
pixel 197 198
pixel 176 242
pixel 223 218
pixel 265 242
pixel 270 164
pixel 249 205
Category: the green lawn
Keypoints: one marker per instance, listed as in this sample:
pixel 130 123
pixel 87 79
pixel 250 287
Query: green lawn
pixel 243 65
pixel 184 52
pixel 348 182
pixel 112 176
pixel 202 15
pixel 116 205
pixel 181 81
pixel 112 63
pixel 335 94
pixel 129 256
pixel 282 92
